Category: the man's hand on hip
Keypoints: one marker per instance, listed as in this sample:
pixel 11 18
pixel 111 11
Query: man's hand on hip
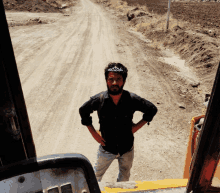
pixel 95 135
pixel 99 139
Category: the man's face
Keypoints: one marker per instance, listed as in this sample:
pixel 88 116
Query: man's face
pixel 115 83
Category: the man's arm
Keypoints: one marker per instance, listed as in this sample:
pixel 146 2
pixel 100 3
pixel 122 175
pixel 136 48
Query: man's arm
pixel 148 109
pixel 85 110
pixel 95 135
pixel 138 125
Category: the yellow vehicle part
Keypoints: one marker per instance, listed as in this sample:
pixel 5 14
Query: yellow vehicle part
pixel 150 185
pixel 192 146
pixel 189 148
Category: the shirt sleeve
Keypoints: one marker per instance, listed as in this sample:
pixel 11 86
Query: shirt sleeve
pixel 145 106
pixel 86 109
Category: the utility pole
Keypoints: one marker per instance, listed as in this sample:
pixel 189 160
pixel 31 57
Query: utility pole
pixel 168 13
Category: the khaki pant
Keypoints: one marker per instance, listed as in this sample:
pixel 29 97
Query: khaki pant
pixel 105 158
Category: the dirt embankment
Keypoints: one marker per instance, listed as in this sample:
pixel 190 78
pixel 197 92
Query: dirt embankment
pixel 193 32
pixel 32 8
pixel 46 6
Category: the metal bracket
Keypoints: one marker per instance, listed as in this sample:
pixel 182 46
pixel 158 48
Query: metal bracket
pixel 14 125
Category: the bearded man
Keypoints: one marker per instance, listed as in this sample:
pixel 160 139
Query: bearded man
pixel 115 108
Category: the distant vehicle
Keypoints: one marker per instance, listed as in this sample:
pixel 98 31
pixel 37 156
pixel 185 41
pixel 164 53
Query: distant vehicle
pixel 22 172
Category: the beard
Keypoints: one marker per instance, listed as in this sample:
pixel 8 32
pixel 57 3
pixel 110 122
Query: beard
pixel 116 91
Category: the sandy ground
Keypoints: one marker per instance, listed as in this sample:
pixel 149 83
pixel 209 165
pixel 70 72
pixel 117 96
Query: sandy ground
pixel 61 64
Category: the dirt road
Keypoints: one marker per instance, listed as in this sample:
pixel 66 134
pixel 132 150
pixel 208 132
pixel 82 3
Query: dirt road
pixel 61 64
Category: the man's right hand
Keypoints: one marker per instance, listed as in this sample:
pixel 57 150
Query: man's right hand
pixel 99 139
pixel 95 135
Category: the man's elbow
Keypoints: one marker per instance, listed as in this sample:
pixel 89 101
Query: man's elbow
pixel 81 111
pixel 155 110
pixel 152 114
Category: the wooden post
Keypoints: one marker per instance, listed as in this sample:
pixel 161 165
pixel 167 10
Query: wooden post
pixel 168 13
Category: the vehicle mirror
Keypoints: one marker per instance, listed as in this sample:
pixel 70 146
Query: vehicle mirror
pixel 59 173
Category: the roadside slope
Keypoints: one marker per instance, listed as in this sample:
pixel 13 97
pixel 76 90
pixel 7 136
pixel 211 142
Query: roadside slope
pixel 192 35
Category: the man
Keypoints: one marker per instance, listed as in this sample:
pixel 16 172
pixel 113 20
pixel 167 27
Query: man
pixel 115 111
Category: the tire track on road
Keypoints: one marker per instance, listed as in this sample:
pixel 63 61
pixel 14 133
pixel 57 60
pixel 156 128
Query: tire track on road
pixel 79 63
